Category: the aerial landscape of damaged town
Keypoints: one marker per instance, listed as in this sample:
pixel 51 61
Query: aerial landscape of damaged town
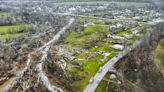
pixel 81 46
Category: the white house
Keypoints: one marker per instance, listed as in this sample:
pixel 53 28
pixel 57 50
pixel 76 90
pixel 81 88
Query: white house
pixel 117 46
pixel 135 32
pixel 116 37
pixel 128 36
pixel 88 24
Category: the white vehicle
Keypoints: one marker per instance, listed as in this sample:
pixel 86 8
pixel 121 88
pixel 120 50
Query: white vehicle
pixel 91 81
pixel 100 70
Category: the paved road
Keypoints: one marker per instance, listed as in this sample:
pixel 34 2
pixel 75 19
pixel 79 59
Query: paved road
pixel 109 65
pixel 99 76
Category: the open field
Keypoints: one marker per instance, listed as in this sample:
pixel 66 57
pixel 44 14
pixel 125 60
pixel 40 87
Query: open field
pixel 14 28
pixel 11 36
pixel 4 14
pixel 13 31
pixel 106 85
pixel 91 62
pixel 160 52
pixel 92 39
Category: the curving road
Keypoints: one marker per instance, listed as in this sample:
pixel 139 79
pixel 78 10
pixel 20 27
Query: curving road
pixel 91 87
pixel 99 76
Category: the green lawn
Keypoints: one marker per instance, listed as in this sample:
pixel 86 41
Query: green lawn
pixel 96 37
pixel 91 19
pixel 106 85
pixel 4 14
pixel 11 36
pixel 123 33
pixel 102 87
pixel 162 45
pixel 12 31
pixel 14 28
pixel 109 40
pixel 134 38
pixel 162 57
pixel 90 68
pixel 103 47
pixel 90 33
pixel 91 62
pixel 161 53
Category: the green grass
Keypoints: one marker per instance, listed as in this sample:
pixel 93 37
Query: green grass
pixel 91 66
pixel 123 33
pixel 109 40
pixel 161 56
pixel 89 34
pixel 106 85
pixel 103 47
pixel 162 45
pixel 4 14
pixel 14 28
pixel 134 38
pixel 91 62
pixel 11 36
pixel 161 53
pixel 12 31
pixel 98 28
pixel 102 86
pixel 90 19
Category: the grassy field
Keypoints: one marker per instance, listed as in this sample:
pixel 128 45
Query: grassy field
pixel 91 40
pixel 90 33
pixel 103 47
pixel 11 36
pixel 4 14
pixel 14 28
pixel 123 33
pixel 162 45
pixel 161 52
pixel 91 66
pixel 13 31
pixel 102 87
pixel 91 62
pixel 106 85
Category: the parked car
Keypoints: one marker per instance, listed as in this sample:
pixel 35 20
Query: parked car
pixel 91 80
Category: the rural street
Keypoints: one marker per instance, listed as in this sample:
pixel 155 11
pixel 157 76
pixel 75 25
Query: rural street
pixel 99 76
